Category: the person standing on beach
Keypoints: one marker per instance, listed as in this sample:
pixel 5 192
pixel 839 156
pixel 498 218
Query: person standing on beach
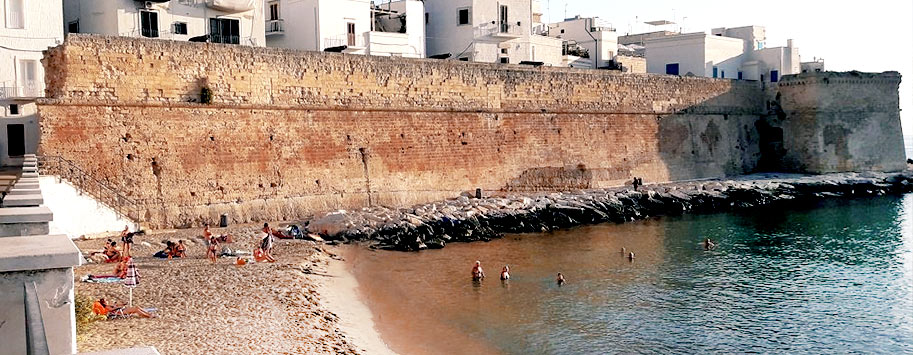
pixel 127 238
pixel 212 252
pixel 477 273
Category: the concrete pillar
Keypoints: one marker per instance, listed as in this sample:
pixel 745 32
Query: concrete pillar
pixel 36 295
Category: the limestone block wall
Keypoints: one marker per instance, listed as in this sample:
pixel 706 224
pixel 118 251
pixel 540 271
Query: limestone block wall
pixel 291 133
pixel 834 122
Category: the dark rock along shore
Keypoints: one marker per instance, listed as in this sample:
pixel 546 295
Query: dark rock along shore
pixel 467 219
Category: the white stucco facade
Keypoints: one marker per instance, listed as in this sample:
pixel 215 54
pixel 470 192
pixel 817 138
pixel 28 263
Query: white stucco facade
pixel 224 21
pixel 390 29
pixel 596 36
pixel 489 31
pixel 29 27
pixel 726 53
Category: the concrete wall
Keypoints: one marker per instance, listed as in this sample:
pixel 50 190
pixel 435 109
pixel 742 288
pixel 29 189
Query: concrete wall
pixel 75 213
pixel 291 133
pixel 832 122
pixel 122 18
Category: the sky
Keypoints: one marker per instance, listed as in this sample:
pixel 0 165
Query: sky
pixel 868 36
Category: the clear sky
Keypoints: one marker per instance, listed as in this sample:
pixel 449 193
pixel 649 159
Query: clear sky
pixel 871 36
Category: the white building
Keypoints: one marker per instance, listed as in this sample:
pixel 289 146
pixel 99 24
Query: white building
pixel 591 36
pixel 29 27
pixel 505 31
pixel 394 28
pixel 729 53
pixel 217 21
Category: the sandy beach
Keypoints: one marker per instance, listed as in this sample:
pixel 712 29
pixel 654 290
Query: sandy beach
pixel 303 304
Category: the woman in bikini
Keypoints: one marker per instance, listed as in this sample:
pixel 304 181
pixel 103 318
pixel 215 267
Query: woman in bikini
pixel 213 251
pixel 101 307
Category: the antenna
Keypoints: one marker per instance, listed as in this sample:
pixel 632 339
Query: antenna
pixel 565 10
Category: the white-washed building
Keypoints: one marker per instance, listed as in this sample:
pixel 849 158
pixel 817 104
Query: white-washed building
pixel 588 42
pixel 29 27
pixel 730 53
pixel 392 28
pixel 505 31
pixel 217 21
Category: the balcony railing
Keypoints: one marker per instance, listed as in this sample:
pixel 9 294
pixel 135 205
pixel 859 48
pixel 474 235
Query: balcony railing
pixel 351 41
pixel 275 27
pixel 19 92
pixel 505 30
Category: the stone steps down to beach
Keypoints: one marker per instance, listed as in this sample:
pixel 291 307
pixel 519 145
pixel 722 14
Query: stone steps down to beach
pixel 467 219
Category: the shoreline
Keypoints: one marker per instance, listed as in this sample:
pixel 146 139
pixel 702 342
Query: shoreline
pixel 464 219
pixel 343 298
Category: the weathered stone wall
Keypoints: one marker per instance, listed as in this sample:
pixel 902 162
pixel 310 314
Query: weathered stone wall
pixel 636 65
pixel 835 122
pixel 291 133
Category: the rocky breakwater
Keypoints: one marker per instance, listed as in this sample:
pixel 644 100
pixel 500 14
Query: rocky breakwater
pixel 467 219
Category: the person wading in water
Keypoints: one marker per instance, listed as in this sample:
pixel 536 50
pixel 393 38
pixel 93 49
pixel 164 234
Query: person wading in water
pixel 477 273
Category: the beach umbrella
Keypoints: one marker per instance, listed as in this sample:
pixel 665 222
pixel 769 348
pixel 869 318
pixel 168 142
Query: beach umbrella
pixel 132 279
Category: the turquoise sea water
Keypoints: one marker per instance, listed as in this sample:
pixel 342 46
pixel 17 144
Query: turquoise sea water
pixel 831 277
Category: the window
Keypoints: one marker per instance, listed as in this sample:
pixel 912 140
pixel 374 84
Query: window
pixel 224 30
pixel 740 75
pixel 350 33
pixel 504 50
pixel 180 28
pixel 774 76
pixel 14 109
pixel 427 18
pixel 505 60
pixel 562 30
pixel 73 27
pixel 723 74
pixel 28 77
pixel 464 16
pixel 149 24
pixel 672 69
pixel 716 72
pixel 464 59
pixel 502 15
pixel 15 16
pixel 273 11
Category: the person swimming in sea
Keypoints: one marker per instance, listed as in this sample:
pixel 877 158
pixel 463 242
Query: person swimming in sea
pixel 505 273
pixel 477 273
pixel 709 244
pixel 560 280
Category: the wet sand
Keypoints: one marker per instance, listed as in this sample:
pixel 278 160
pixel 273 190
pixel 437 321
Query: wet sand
pixel 222 308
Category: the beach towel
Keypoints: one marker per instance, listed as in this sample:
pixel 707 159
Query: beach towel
pixel 103 280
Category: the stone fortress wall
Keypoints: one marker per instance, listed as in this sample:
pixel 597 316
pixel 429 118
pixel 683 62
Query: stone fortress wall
pixel 290 133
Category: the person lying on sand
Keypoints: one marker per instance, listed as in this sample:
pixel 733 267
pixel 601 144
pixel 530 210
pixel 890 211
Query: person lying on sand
pixel 274 232
pixel 101 307
pixel 505 273
pixel 260 256
pixel 477 272
pixel 120 271
pixel 221 238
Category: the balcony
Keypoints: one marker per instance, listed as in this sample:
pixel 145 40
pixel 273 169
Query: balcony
pixel 24 92
pixel 499 32
pixel 275 27
pixel 351 43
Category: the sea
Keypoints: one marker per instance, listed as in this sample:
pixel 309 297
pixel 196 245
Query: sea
pixel 823 277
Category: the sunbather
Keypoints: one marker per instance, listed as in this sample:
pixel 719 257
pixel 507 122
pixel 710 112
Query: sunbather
pixel 111 252
pixel 166 253
pixel 180 250
pixel 101 307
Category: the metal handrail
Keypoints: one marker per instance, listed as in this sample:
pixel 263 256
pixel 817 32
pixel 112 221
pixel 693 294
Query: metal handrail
pixel 85 183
